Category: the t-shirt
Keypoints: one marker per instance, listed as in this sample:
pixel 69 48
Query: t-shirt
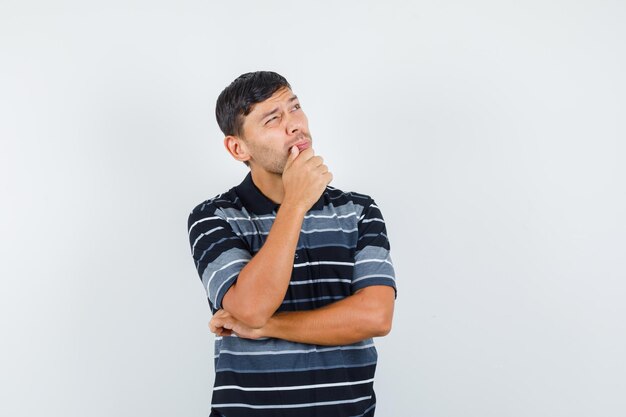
pixel 343 247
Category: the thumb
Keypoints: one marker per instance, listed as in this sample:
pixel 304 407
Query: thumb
pixel 293 154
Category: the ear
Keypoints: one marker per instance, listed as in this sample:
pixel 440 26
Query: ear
pixel 237 148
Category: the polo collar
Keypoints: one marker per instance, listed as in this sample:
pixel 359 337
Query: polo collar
pixel 254 200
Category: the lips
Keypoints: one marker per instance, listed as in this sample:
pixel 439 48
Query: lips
pixel 302 146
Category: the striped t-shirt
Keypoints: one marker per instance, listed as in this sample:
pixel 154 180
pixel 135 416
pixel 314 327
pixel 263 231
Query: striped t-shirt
pixel 342 248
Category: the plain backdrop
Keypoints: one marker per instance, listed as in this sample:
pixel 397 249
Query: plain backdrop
pixel 490 133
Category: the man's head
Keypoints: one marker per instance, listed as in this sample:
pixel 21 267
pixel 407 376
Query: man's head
pixel 261 119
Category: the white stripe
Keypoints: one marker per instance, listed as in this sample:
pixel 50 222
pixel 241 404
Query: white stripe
pixel 303 231
pixel 202 235
pixel 224 267
pixel 308 216
pixel 260 407
pixel 334 215
pixel 202 220
pixel 252 233
pixel 294 387
pixel 330 230
pixel 374 205
pixel 251 218
pixel 374 276
pixel 287 352
pixel 322 263
pixel 373 260
pixel 374 219
pixel 314 281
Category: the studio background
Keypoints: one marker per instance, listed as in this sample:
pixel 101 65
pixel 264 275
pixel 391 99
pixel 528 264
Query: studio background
pixel 490 133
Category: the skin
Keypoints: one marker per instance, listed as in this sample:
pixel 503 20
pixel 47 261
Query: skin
pixel 276 142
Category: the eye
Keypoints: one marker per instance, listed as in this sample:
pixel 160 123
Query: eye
pixel 297 106
pixel 271 119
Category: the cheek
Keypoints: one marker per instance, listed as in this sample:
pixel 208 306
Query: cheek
pixel 305 120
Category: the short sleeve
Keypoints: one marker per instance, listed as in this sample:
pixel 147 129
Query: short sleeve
pixel 372 261
pixel 218 253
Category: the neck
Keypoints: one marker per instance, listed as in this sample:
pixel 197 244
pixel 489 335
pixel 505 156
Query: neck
pixel 270 184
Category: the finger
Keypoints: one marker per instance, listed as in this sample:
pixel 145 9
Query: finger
pixel 215 324
pixel 213 328
pixel 316 161
pixel 222 332
pixel 306 154
pixel 322 169
pixel 293 154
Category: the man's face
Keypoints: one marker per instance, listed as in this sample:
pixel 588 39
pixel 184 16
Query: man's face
pixel 272 128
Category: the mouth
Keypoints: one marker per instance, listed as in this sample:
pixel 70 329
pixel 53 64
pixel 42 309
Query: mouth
pixel 301 144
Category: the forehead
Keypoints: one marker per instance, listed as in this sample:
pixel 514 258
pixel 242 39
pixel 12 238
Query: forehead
pixel 279 96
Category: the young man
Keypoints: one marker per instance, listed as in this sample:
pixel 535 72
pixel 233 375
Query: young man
pixel 297 273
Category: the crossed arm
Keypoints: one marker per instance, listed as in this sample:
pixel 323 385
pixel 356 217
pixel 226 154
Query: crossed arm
pixel 249 306
pixel 367 313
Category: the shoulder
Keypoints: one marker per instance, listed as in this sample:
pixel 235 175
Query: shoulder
pixel 359 201
pixel 215 206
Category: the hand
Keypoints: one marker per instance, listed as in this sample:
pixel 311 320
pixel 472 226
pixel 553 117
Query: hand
pixel 305 177
pixel 225 324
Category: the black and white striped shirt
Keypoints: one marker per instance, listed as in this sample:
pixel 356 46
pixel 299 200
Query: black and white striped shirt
pixel 343 247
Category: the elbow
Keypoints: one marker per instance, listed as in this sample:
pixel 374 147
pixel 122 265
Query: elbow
pixel 381 323
pixel 253 318
pixel 383 328
pixel 248 312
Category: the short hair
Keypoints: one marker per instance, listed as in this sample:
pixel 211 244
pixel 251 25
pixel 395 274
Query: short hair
pixel 238 99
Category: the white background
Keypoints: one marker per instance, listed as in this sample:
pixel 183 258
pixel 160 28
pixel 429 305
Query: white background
pixel 491 134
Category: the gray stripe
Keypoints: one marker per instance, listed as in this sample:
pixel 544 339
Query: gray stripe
pixel 272 344
pixel 244 223
pixel 207 250
pixel 373 261
pixel 296 351
pixel 264 356
pixel 222 268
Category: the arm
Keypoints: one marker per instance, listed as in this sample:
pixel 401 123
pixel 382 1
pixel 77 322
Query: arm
pixel 262 283
pixel 365 314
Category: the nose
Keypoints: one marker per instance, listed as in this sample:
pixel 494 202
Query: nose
pixel 294 124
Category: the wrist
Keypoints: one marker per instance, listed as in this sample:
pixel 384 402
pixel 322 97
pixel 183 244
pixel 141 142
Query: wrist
pixel 270 328
pixel 294 206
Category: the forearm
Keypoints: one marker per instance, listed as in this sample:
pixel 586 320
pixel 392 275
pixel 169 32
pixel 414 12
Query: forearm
pixel 262 283
pixel 347 321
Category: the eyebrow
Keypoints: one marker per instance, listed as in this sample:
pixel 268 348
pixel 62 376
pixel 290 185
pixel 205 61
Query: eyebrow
pixel 274 110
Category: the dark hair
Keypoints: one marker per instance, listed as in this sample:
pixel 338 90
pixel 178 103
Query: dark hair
pixel 238 99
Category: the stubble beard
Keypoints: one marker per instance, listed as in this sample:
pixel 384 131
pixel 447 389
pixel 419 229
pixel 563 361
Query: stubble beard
pixel 273 162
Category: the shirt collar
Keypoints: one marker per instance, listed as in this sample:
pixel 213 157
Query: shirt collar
pixel 254 200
